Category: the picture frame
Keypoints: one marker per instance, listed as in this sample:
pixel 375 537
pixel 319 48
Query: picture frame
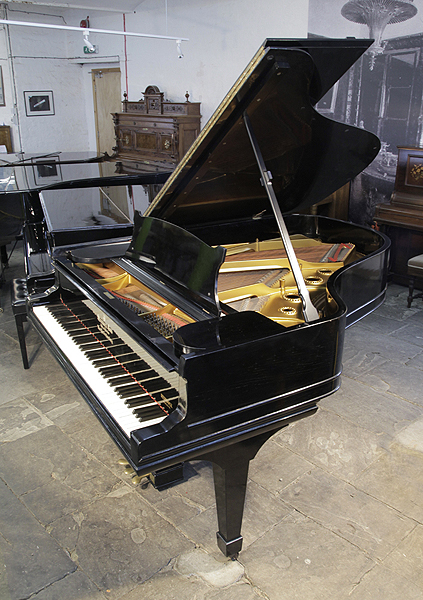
pixel 2 98
pixel 38 103
pixel 47 171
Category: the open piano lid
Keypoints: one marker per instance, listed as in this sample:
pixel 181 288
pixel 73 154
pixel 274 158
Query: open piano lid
pixel 307 155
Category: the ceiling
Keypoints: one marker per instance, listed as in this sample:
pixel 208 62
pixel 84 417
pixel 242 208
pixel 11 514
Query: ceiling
pixel 120 6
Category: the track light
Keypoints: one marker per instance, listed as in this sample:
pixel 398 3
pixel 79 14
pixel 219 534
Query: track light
pixel 87 42
pixel 178 46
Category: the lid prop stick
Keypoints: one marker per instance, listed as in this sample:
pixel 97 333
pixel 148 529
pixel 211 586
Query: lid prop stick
pixel 309 310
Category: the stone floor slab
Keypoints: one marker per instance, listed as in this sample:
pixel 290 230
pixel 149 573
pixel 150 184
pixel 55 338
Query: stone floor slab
pixel 62 405
pixel 170 586
pixel 412 332
pixel 30 559
pixel 411 436
pixel 298 559
pixel 403 381
pixel 275 467
pixel 359 354
pixel 43 374
pixel 375 411
pixel 332 443
pixel 382 584
pixel 348 512
pixel 18 419
pixel 119 541
pixel 217 573
pixel 396 479
pixel 407 558
pixel 75 586
pixel 53 475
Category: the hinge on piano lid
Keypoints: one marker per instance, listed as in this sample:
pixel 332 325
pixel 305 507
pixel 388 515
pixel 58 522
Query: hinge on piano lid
pixel 309 310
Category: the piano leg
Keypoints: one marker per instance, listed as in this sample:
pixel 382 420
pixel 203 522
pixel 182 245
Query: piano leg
pixel 230 472
pixel 19 294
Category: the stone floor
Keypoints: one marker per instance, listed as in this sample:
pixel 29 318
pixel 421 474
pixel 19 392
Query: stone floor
pixel 334 505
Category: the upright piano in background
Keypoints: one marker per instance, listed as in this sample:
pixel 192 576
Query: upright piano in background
pixel 402 219
pixel 216 321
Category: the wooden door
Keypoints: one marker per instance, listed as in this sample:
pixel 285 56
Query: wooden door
pixel 107 100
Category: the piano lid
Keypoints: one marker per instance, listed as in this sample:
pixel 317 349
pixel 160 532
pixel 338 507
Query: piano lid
pixel 308 156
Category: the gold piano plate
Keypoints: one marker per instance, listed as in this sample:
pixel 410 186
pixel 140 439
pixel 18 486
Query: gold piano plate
pixel 255 276
pixel 262 280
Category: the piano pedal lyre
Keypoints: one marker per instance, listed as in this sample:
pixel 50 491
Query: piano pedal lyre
pixel 160 479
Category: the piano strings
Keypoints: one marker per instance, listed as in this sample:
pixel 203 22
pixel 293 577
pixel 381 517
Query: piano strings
pixel 255 276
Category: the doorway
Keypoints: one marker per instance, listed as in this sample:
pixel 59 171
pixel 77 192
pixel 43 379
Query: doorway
pixel 107 100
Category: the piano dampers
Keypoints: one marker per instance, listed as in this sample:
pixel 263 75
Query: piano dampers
pixel 165 324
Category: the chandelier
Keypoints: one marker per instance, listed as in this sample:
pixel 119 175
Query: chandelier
pixel 377 14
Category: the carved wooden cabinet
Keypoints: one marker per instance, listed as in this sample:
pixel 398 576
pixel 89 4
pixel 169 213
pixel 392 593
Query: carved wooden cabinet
pixel 154 133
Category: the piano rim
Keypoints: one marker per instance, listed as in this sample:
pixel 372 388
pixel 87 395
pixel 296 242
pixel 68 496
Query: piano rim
pixel 191 450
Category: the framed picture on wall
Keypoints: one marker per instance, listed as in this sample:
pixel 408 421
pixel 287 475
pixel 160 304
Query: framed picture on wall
pixel 2 99
pixel 39 103
pixel 47 171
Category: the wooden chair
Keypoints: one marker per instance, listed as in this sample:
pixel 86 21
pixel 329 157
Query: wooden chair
pixel 414 269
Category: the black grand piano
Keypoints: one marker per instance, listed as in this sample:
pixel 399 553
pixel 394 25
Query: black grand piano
pixel 218 317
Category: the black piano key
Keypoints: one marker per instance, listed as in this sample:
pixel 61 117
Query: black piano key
pixel 74 324
pixel 94 330
pixel 144 414
pixel 63 312
pixel 92 344
pixel 126 375
pixel 117 369
pixel 115 349
pixel 111 360
pixel 139 402
pixel 123 379
pixel 151 386
pixel 87 337
pixel 163 396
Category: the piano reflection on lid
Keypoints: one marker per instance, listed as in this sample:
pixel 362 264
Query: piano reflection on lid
pixel 221 319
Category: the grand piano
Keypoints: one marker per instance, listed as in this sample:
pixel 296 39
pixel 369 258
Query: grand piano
pixel 217 317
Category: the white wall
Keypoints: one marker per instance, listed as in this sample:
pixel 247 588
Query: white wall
pixel 223 36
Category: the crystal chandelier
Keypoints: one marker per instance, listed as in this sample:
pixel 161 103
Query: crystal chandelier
pixel 377 14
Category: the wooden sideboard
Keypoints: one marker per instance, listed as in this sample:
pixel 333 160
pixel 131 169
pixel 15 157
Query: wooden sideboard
pixel 402 218
pixel 154 133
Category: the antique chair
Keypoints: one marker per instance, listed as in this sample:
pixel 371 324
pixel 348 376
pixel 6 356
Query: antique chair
pixel 415 269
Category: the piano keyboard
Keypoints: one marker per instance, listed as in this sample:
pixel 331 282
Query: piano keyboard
pixel 132 386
